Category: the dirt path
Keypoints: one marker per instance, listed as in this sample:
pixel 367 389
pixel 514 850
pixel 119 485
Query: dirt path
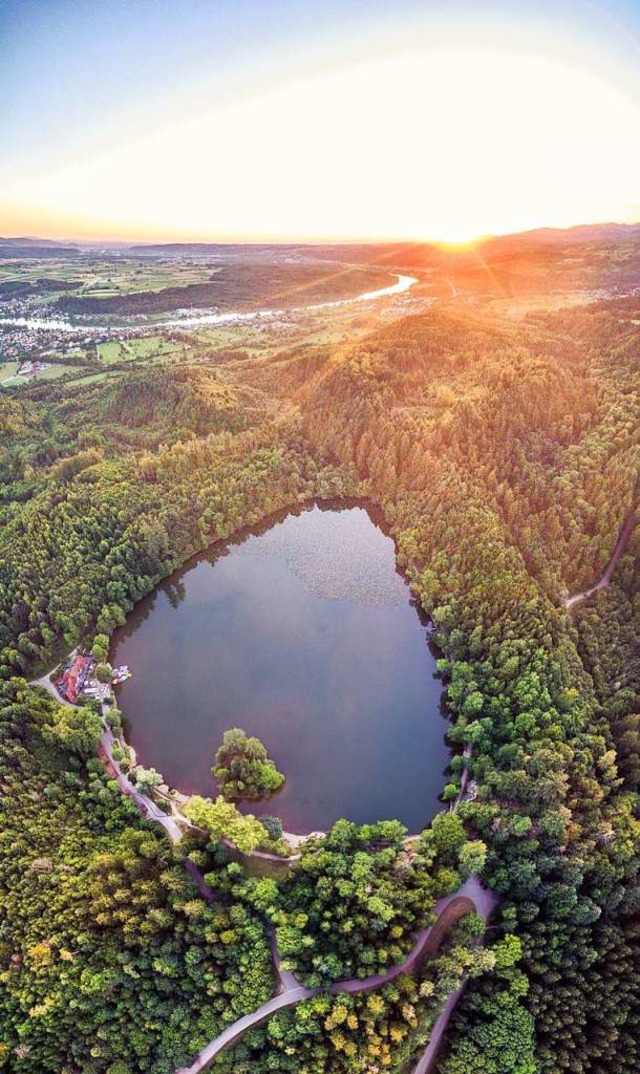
pixel 287 981
pixel 147 807
pixel 467 754
pixel 605 579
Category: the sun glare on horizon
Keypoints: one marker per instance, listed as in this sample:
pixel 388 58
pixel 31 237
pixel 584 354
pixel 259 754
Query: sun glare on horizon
pixel 444 145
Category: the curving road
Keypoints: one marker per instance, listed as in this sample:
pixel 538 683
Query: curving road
pixel 233 1032
pixel 470 896
pixel 46 684
pixel 605 579
pixel 107 740
pixel 147 807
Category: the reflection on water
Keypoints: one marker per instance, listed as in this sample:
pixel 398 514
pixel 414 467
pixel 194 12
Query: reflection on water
pixel 303 634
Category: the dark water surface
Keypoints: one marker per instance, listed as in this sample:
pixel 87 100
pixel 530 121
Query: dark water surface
pixel 303 635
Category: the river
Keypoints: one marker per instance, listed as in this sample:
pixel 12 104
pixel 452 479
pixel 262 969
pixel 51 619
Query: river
pixel 42 324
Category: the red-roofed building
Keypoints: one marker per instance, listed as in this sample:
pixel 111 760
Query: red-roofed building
pixel 74 677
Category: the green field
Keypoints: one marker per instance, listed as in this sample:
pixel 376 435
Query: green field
pixel 129 350
pixel 115 276
pixel 113 352
pixel 95 378
pixel 10 380
pixel 8 370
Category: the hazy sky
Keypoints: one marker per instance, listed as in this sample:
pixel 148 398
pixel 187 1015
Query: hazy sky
pixel 205 119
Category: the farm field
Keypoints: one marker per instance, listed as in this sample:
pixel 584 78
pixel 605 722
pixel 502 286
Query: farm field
pixel 9 378
pixel 94 378
pixel 31 290
pixel 131 350
pixel 113 275
pixel 8 370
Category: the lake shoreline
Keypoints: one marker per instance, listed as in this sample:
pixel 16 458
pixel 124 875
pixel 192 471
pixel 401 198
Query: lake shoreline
pixel 221 551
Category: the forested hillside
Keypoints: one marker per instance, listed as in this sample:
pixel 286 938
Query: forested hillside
pixel 504 455
pixel 517 453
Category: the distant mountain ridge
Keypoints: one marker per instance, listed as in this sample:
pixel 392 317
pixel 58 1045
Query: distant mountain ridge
pixel 30 240
pixel 27 245
pixel 543 236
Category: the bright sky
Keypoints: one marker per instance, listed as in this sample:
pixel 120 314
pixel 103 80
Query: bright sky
pixel 266 120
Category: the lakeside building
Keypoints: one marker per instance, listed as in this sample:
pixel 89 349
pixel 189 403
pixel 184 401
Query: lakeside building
pixel 78 679
pixel 75 676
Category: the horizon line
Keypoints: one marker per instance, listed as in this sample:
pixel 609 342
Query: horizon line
pixel 320 240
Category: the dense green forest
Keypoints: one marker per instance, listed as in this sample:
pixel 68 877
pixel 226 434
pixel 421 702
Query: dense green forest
pixel 504 456
pixel 109 959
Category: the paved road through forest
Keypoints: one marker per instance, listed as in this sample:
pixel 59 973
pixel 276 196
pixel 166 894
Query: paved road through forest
pixel 472 895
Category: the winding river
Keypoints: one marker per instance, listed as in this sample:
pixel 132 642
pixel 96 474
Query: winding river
pixel 303 633
pixel 202 319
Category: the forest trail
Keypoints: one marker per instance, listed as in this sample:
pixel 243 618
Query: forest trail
pixel 471 896
pixel 287 980
pixel 605 579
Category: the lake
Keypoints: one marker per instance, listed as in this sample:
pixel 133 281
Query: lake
pixel 302 633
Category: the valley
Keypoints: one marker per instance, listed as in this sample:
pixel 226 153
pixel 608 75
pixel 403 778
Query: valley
pixel 489 423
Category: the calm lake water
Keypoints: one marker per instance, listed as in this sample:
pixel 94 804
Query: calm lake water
pixel 304 635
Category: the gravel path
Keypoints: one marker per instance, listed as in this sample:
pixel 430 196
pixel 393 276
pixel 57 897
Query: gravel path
pixel 107 741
